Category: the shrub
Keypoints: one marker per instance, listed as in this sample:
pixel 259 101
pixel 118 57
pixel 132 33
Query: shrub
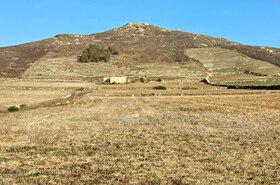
pixel 142 80
pixel 13 109
pixel 111 50
pixel 95 53
pixel 23 105
pixel 160 87
pixel 158 80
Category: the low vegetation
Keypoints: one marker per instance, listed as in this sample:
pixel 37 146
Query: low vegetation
pixel 142 80
pixel 159 80
pixel 111 50
pixel 159 87
pixel 23 105
pixel 265 85
pixel 95 53
pixel 255 83
pixel 13 108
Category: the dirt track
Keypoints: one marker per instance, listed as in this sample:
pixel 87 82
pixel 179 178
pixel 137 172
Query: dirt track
pixel 108 136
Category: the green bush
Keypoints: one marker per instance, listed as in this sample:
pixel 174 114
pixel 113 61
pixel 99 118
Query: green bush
pixel 160 87
pixel 95 53
pixel 142 80
pixel 13 109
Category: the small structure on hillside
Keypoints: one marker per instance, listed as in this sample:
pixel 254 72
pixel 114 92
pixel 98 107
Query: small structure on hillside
pixel 115 80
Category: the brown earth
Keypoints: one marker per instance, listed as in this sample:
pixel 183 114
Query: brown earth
pixel 132 134
pixel 142 47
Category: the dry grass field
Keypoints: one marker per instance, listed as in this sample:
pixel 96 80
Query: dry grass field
pixel 133 134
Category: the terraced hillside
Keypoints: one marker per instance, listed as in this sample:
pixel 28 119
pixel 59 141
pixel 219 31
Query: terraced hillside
pixel 226 66
pixel 145 51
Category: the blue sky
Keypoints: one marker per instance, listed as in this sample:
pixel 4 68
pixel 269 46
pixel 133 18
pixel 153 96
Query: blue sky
pixel 253 22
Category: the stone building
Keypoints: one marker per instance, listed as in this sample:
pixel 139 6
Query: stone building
pixel 115 80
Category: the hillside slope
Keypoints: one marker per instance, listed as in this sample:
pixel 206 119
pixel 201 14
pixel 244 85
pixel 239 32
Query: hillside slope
pixel 145 50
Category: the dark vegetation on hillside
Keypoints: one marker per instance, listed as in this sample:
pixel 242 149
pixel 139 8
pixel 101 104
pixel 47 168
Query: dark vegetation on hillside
pixel 95 53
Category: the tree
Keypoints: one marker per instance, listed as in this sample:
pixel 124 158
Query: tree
pixel 95 53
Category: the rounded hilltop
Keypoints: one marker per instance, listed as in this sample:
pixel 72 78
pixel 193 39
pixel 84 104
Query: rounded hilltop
pixel 131 24
pixel 140 26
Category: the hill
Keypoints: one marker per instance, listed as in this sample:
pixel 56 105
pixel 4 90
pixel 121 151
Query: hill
pixel 145 51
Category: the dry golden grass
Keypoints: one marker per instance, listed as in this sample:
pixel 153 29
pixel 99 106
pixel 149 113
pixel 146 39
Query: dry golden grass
pixel 214 139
